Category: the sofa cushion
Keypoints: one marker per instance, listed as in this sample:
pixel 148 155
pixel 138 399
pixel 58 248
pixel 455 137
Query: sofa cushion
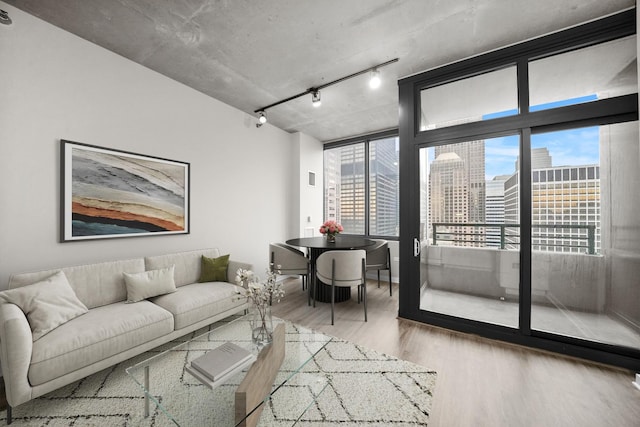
pixel 214 269
pixel 47 304
pixel 149 284
pixel 187 264
pixel 199 301
pixel 94 284
pixel 100 333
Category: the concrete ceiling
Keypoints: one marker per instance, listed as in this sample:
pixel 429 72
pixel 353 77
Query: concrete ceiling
pixel 249 54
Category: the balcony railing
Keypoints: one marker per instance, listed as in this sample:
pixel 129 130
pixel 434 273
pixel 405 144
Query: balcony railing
pixel 509 237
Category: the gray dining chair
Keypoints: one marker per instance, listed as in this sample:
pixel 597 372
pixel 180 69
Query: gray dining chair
pixel 289 261
pixel 343 268
pixel 379 258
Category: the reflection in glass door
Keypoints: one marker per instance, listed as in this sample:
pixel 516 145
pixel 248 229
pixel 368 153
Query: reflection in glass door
pixel 585 233
pixel 469 230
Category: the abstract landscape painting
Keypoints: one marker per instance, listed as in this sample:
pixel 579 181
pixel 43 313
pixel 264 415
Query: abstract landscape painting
pixel 108 193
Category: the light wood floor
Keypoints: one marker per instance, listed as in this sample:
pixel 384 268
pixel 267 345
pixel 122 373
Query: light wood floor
pixel 480 382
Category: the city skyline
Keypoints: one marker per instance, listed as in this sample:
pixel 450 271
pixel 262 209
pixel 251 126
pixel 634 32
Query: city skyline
pixel 572 147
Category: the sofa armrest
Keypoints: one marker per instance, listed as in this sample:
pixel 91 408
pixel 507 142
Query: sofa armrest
pixel 16 345
pixel 233 268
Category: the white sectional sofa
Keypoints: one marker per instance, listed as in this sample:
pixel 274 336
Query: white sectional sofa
pixel 112 329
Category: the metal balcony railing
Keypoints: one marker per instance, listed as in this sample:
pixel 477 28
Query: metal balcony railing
pixel 512 237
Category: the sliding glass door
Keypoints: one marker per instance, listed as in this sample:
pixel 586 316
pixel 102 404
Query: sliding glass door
pixel 469 230
pixel 584 228
pixel 519 206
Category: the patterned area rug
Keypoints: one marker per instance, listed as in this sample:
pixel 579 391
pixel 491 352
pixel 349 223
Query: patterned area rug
pixel 362 388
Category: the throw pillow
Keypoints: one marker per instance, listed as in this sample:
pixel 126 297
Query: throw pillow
pixel 214 269
pixel 149 284
pixel 47 304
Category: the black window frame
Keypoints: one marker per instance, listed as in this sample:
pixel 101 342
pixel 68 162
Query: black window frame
pixel 599 112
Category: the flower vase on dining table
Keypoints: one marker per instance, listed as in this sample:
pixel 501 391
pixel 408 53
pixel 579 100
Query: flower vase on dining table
pixel 331 229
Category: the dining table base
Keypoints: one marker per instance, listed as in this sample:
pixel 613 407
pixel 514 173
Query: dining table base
pixel 343 293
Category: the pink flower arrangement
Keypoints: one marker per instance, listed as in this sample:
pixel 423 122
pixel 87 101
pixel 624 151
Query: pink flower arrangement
pixel 331 227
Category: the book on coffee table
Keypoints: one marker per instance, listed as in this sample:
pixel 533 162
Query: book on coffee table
pixel 218 364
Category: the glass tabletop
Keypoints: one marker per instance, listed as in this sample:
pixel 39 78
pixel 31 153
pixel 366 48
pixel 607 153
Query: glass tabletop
pixel 185 401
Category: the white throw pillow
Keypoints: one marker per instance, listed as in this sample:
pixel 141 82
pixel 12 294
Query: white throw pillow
pixel 149 284
pixel 47 304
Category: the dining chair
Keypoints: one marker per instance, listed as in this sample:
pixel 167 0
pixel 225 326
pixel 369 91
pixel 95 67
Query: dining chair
pixel 343 268
pixel 379 258
pixel 289 261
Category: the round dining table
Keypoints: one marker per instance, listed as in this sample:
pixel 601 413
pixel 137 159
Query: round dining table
pixel 318 245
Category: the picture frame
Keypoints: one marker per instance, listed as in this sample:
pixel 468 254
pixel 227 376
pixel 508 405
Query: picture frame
pixel 107 193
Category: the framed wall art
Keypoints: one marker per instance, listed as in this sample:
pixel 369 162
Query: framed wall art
pixel 108 193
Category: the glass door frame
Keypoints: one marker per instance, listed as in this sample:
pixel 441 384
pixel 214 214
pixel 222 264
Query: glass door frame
pixel 618 109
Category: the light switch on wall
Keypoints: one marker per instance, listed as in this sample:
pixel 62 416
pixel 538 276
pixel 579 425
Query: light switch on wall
pixel 308 219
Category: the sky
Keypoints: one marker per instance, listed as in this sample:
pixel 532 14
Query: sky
pixel 570 147
pixel 567 148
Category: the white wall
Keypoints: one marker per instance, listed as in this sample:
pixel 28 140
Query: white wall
pixel 57 86
pixel 309 205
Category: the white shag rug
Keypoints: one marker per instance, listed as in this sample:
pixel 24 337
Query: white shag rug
pixel 362 388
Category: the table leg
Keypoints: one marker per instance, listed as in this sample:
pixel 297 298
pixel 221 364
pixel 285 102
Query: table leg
pixel 313 283
pixel 146 394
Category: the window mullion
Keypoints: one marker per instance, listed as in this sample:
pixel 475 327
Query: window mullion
pixel 367 188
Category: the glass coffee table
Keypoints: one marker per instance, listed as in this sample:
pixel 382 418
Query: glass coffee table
pixel 183 400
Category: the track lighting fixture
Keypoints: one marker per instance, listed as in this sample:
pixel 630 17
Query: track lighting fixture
pixel 4 18
pixel 262 119
pixel 374 82
pixel 315 98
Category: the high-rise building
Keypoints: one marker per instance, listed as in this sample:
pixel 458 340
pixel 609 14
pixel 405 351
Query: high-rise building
pixel 345 189
pixel 472 154
pixel 494 210
pixel 449 199
pixel 565 208
pixel 540 159
pixel 331 186
pixel 383 187
pixel 512 211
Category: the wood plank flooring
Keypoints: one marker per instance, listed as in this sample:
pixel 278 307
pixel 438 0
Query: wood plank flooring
pixel 480 382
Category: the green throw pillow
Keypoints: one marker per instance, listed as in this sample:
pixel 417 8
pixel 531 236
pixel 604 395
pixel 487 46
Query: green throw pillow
pixel 214 269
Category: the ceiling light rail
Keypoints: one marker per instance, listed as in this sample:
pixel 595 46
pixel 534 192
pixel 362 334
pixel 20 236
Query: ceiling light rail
pixel 315 91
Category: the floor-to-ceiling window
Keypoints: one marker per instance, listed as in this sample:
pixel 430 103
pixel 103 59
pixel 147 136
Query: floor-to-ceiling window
pixel 361 184
pixel 518 170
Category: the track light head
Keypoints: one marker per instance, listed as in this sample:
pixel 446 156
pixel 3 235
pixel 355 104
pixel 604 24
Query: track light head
pixel 315 98
pixel 315 90
pixel 262 119
pixel 4 18
pixel 374 81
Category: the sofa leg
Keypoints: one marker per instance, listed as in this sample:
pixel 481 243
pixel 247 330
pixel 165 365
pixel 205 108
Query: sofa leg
pixel 9 420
